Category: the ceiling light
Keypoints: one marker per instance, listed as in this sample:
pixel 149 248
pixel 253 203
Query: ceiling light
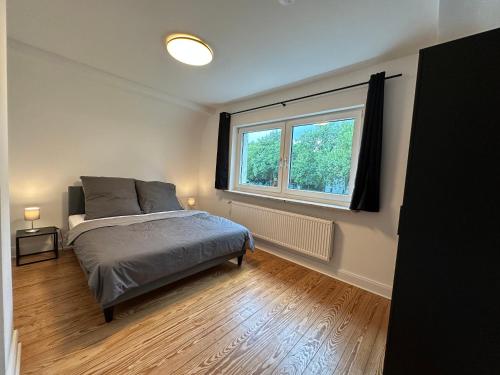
pixel 189 49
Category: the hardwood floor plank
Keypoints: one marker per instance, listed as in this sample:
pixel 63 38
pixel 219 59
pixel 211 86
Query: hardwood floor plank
pixel 87 327
pixel 249 320
pixel 329 354
pixel 358 349
pixel 192 344
pixel 210 317
pixel 46 290
pixel 266 356
pixel 173 316
pixel 230 352
pixel 302 353
pixel 375 363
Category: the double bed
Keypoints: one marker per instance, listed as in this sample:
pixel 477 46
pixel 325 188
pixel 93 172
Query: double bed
pixel 124 256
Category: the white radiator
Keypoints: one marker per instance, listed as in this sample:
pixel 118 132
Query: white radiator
pixel 304 234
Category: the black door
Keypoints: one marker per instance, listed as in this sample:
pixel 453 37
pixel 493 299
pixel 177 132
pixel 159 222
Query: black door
pixel 445 313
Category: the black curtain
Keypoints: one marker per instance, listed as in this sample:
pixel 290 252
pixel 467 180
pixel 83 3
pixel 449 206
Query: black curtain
pixel 222 167
pixel 366 194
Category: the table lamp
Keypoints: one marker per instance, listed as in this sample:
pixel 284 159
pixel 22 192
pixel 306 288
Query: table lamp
pixel 191 202
pixel 32 214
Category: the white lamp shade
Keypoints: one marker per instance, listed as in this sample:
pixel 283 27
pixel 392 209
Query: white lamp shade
pixel 191 201
pixel 31 213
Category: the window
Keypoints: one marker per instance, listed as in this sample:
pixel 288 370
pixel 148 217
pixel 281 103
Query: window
pixel 310 158
pixel 260 157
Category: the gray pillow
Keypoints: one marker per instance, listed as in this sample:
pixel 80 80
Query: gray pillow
pixel 109 196
pixel 155 196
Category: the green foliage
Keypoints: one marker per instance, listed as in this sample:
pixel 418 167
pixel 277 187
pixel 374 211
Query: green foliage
pixel 321 158
pixel 263 159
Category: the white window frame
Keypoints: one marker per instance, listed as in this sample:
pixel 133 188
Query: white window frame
pixel 250 129
pixel 286 125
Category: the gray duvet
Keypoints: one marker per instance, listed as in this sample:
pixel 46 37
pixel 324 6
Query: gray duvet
pixel 122 253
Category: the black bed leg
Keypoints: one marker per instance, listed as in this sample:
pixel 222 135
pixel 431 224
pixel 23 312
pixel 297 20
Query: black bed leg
pixel 240 260
pixel 108 314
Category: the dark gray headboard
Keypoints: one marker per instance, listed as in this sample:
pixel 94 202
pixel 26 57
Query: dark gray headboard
pixel 76 200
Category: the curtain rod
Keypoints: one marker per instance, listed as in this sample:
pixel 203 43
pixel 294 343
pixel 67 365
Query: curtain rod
pixel 284 102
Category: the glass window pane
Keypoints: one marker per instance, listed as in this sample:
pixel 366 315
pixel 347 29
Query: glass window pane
pixel 320 158
pixel 260 157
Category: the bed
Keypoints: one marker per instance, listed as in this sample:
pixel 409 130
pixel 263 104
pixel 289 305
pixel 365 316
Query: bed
pixel 125 256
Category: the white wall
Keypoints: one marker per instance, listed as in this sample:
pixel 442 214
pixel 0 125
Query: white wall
pixel 5 269
pixel 458 18
pixel 365 243
pixel 68 120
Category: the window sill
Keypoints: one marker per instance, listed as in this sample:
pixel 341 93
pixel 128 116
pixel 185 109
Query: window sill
pixel 290 200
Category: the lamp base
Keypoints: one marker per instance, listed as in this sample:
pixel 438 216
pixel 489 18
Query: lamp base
pixel 31 230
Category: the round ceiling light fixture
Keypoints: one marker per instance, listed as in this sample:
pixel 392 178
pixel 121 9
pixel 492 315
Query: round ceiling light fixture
pixel 189 49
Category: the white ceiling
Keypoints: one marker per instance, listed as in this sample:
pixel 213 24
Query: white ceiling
pixel 259 44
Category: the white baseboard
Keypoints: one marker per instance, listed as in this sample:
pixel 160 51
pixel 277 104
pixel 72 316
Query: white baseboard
pixel 14 361
pixel 365 283
pixel 359 281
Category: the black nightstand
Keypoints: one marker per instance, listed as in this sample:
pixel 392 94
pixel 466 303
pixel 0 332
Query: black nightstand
pixel 47 231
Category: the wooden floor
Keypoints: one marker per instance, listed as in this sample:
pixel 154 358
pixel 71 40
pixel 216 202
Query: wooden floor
pixel 269 317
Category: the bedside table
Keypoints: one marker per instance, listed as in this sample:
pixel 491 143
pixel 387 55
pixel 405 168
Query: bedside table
pixel 47 231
